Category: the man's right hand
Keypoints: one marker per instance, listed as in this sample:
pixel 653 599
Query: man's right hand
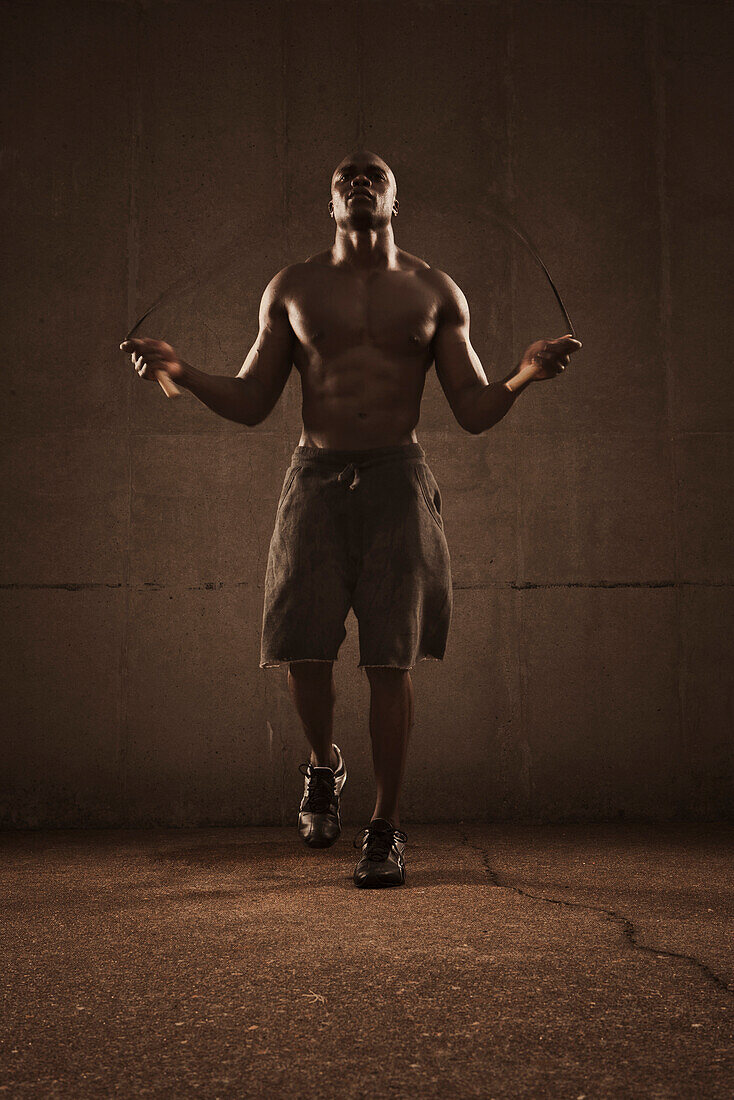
pixel 149 356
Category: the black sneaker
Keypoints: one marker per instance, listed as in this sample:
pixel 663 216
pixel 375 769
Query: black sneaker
pixel 319 824
pixel 382 862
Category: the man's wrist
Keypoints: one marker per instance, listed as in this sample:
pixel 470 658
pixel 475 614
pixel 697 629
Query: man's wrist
pixel 522 378
pixel 187 374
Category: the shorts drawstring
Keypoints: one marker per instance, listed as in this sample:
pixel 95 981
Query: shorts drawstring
pixel 331 459
pixel 346 473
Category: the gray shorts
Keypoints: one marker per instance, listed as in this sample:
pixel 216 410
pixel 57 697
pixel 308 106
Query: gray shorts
pixel 360 529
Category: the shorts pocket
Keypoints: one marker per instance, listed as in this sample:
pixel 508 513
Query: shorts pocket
pixel 430 492
pixel 290 476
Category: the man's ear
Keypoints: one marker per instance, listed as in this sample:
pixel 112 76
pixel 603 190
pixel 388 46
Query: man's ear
pixel 395 207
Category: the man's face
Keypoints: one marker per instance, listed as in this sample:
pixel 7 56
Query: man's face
pixel 363 192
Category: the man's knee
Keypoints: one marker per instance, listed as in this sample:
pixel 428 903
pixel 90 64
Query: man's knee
pixel 378 674
pixel 310 671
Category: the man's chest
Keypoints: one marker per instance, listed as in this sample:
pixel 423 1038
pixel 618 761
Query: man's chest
pixel 389 309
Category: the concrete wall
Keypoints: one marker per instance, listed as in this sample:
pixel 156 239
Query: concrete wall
pixel 587 674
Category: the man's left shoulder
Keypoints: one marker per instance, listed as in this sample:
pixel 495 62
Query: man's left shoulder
pixel 409 262
pixel 442 285
pixel 433 276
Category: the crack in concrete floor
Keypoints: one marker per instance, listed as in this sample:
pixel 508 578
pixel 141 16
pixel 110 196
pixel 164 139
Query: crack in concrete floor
pixel 624 924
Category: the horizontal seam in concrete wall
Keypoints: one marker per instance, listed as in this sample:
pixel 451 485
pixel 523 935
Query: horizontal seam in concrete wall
pixel 517 586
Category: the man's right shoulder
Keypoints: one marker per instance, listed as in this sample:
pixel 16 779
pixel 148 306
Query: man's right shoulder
pixel 322 258
pixel 293 276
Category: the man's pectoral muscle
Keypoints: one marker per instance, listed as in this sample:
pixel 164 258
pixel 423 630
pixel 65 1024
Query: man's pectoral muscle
pixel 363 350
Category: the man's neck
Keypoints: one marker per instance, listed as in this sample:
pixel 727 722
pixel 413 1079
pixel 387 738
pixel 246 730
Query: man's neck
pixel 366 248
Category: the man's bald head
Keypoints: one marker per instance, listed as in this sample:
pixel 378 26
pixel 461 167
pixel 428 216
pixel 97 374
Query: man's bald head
pixel 363 191
pixel 364 158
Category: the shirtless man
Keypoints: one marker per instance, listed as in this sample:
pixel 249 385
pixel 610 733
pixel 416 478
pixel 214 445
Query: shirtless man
pixel 359 519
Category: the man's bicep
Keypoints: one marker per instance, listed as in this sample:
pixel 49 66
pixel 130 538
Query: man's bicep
pixel 269 362
pixel 458 367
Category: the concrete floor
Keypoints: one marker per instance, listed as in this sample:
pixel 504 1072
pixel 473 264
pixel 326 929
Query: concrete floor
pixel 571 962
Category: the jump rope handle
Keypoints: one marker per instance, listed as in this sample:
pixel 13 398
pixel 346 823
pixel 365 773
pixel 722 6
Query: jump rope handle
pixel 167 384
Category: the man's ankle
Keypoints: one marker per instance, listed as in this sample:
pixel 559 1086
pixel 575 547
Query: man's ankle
pixel 331 761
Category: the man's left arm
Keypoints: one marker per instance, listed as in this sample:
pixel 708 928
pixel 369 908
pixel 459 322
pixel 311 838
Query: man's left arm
pixel 476 403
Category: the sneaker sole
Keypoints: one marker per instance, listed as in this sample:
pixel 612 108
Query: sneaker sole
pixel 378 885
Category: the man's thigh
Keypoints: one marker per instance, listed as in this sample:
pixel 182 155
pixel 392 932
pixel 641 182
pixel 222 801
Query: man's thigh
pixel 403 597
pixel 307 579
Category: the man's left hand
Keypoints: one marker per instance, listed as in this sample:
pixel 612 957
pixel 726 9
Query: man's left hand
pixel 548 358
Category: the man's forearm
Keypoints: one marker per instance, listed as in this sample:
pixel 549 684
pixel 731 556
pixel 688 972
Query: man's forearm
pixel 233 398
pixel 495 399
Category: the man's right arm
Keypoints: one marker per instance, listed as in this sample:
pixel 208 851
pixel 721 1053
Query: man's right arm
pixel 251 396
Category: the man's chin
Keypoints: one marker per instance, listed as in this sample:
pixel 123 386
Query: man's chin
pixel 363 219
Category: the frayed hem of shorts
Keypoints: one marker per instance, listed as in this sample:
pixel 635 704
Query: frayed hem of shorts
pixel 297 661
pixel 403 668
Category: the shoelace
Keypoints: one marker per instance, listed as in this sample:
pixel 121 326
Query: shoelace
pixel 379 841
pixel 320 788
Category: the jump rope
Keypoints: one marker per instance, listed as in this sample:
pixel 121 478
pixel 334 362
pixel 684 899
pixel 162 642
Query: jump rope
pixel 170 388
